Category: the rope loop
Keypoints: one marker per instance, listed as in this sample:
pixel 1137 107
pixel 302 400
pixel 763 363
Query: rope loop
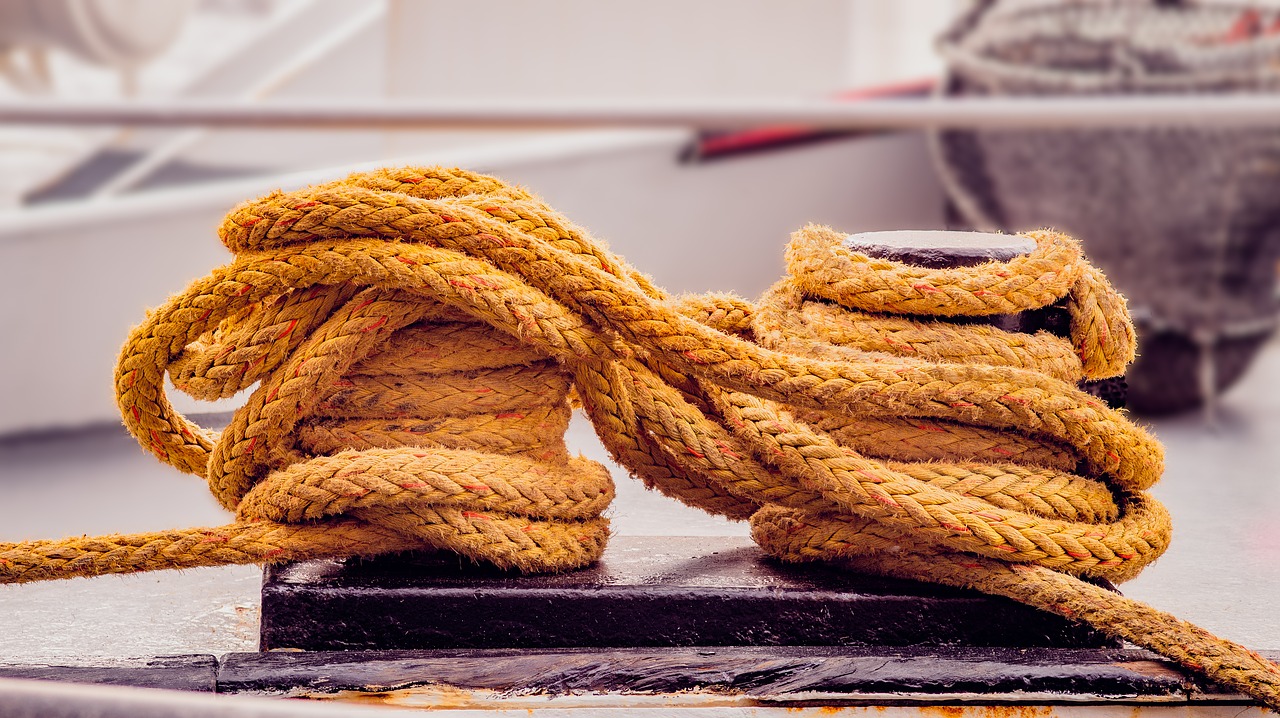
pixel 413 336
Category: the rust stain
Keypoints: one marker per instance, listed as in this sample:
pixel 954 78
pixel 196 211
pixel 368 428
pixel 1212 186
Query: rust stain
pixel 941 711
pixel 450 697
pixel 988 711
pixel 441 696
pixel 434 696
pixel 1152 669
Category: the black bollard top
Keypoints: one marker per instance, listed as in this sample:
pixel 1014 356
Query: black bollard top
pixel 943 249
pixel 939 249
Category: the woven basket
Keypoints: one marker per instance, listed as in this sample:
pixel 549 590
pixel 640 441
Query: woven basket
pixel 1186 221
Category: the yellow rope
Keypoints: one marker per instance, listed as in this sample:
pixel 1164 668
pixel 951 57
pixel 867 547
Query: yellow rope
pixel 390 415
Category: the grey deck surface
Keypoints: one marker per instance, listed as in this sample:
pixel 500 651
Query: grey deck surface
pixel 1222 486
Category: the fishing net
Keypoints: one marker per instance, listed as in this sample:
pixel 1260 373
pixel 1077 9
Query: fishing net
pixel 1186 220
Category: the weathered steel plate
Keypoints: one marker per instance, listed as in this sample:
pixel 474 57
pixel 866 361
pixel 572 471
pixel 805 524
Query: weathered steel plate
pixel 647 591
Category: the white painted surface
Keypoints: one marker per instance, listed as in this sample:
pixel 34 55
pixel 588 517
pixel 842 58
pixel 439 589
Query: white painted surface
pixel 586 48
pixel 581 49
pixel 430 49
pixel 893 41
pixel 73 280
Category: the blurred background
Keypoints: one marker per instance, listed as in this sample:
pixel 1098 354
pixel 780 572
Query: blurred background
pixel 99 221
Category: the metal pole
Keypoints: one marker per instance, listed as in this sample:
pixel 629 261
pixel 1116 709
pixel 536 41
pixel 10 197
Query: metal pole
pixel 1133 111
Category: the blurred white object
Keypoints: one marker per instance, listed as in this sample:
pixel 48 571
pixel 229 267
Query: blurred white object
pixel 216 34
pixel 115 258
pixel 363 54
pixel 120 33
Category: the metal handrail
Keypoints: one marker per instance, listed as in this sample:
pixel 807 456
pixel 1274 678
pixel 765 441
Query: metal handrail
pixel 913 113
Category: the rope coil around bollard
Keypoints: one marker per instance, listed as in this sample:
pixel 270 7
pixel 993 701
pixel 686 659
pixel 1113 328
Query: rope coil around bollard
pixel 417 337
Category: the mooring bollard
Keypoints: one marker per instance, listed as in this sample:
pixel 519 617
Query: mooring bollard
pixel 668 591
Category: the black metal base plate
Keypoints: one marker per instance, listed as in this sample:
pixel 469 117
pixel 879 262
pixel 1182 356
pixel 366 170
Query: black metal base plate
pixel 647 591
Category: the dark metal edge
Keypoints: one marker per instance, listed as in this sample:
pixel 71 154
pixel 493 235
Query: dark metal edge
pixel 183 673
pixel 774 673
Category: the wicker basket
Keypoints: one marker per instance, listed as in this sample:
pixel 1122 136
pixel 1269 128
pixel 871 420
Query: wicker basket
pixel 1186 221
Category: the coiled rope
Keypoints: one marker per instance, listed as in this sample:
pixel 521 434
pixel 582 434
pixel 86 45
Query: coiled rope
pixel 837 416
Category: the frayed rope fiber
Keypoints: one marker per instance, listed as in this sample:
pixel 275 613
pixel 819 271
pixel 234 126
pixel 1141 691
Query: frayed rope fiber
pixel 418 337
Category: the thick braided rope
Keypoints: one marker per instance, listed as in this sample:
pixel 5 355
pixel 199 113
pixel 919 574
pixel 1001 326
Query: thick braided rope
pixel 1035 481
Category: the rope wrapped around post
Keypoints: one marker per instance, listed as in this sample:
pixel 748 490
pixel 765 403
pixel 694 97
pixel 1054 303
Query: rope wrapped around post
pixel 413 334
